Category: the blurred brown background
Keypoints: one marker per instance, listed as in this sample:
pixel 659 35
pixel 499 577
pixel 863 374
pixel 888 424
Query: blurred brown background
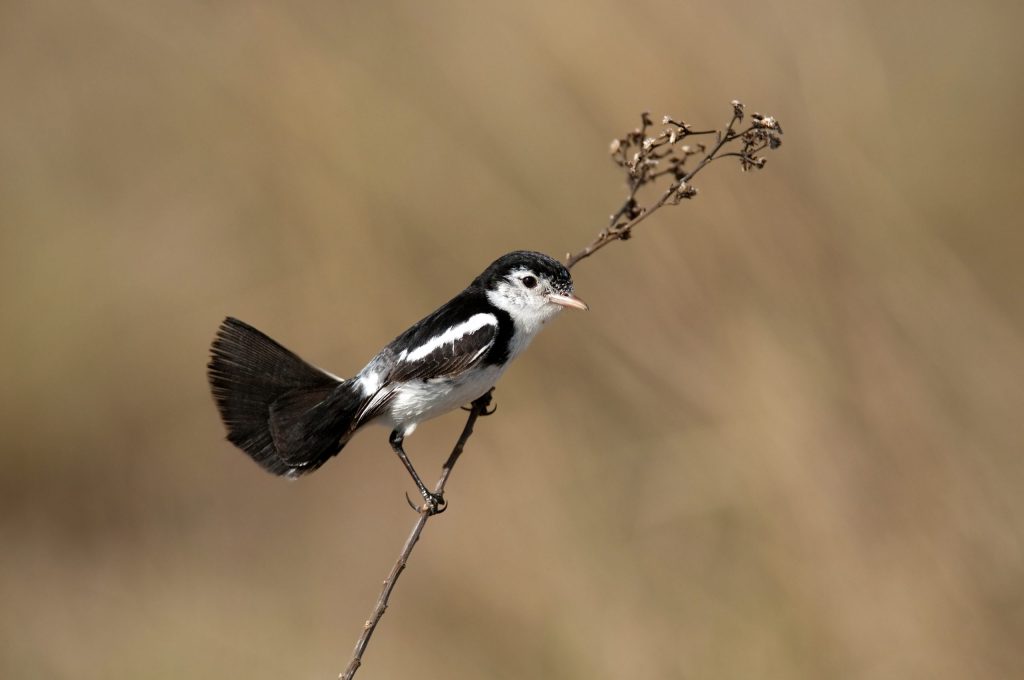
pixel 785 442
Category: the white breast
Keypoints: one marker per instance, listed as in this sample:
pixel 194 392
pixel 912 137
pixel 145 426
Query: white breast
pixel 417 401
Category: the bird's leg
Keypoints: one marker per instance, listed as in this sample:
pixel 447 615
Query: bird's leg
pixel 435 502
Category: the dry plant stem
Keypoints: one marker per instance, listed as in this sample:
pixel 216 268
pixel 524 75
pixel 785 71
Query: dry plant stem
pixel 479 408
pixel 658 152
pixel 621 231
pixel 652 158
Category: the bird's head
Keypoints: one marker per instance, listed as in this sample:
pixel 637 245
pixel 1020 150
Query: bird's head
pixel 531 287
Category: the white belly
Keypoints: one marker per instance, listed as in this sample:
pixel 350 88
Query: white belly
pixel 417 401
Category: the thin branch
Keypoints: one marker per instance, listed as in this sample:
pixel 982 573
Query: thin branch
pixel 645 160
pixel 478 408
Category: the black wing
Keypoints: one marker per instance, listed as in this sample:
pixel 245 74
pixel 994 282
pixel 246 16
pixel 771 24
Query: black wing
pixel 459 335
pixel 447 354
pixel 442 356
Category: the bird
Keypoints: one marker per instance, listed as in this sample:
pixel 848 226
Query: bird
pixel 291 417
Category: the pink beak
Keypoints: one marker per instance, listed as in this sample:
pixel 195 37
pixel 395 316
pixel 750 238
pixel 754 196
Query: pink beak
pixel 567 301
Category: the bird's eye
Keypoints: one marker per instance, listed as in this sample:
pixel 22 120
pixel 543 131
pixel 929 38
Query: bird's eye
pixel 529 281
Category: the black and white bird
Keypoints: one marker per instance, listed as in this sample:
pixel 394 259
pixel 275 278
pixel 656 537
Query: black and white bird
pixel 291 417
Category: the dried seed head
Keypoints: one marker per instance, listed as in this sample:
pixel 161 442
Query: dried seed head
pixel 686 190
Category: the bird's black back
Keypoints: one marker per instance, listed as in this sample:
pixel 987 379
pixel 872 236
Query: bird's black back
pixel 473 300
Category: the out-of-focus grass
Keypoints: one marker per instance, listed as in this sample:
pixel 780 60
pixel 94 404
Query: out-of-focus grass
pixel 785 443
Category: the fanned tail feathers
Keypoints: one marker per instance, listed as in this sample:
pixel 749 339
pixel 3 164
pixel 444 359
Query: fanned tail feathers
pixel 288 415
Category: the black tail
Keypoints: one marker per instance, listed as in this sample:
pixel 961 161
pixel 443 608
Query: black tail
pixel 289 416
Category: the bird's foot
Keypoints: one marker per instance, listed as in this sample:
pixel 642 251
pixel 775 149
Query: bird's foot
pixel 484 403
pixel 433 504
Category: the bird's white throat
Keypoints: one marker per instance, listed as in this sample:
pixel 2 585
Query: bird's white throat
pixel 529 313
